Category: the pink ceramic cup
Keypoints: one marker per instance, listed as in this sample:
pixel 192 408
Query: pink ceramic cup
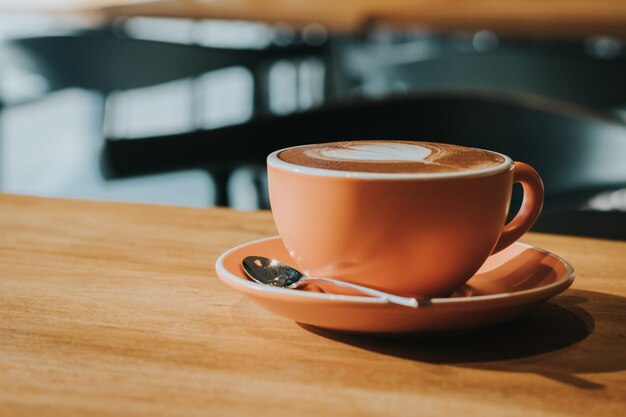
pixel 409 234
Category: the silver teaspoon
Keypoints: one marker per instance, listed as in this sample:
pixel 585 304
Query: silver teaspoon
pixel 275 273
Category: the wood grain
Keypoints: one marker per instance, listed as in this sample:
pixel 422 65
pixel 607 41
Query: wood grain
pixel 115 309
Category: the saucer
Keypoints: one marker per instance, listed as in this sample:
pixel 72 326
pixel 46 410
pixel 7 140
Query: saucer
pixel 509 283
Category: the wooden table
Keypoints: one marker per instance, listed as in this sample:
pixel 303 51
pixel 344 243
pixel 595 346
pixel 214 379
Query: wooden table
pixel 560 18
pixel 115 309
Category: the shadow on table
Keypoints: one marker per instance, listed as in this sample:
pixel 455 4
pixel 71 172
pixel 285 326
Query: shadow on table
pixel 577 333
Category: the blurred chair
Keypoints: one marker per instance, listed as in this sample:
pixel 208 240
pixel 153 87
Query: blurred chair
pixel 561 70
pixel 101 62
pixel 578 153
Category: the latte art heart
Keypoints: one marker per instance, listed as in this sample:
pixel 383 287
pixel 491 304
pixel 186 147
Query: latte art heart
pixel 391 157
pixel 378 152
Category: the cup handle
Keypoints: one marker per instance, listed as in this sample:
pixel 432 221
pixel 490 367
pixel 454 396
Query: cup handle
pixel 530 209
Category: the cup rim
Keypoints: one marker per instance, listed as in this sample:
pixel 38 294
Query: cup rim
pixel 274 161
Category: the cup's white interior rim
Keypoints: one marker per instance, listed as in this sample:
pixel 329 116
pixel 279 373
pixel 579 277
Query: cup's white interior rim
pixel 274 161
pixel 568 276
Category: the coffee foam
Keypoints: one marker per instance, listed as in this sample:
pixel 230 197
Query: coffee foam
pixel 378 152
pixel 392 157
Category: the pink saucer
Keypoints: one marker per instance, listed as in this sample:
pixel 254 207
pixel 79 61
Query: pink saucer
pixel 510 283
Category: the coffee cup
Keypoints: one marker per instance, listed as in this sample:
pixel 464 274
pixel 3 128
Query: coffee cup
pixel 410 218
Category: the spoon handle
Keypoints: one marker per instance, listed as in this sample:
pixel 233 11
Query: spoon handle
pixel 394 299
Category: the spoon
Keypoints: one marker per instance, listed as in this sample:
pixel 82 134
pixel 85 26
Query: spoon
pixel 275 273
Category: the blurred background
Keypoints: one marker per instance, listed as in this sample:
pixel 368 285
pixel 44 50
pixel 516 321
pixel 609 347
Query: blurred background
pixel 179 102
